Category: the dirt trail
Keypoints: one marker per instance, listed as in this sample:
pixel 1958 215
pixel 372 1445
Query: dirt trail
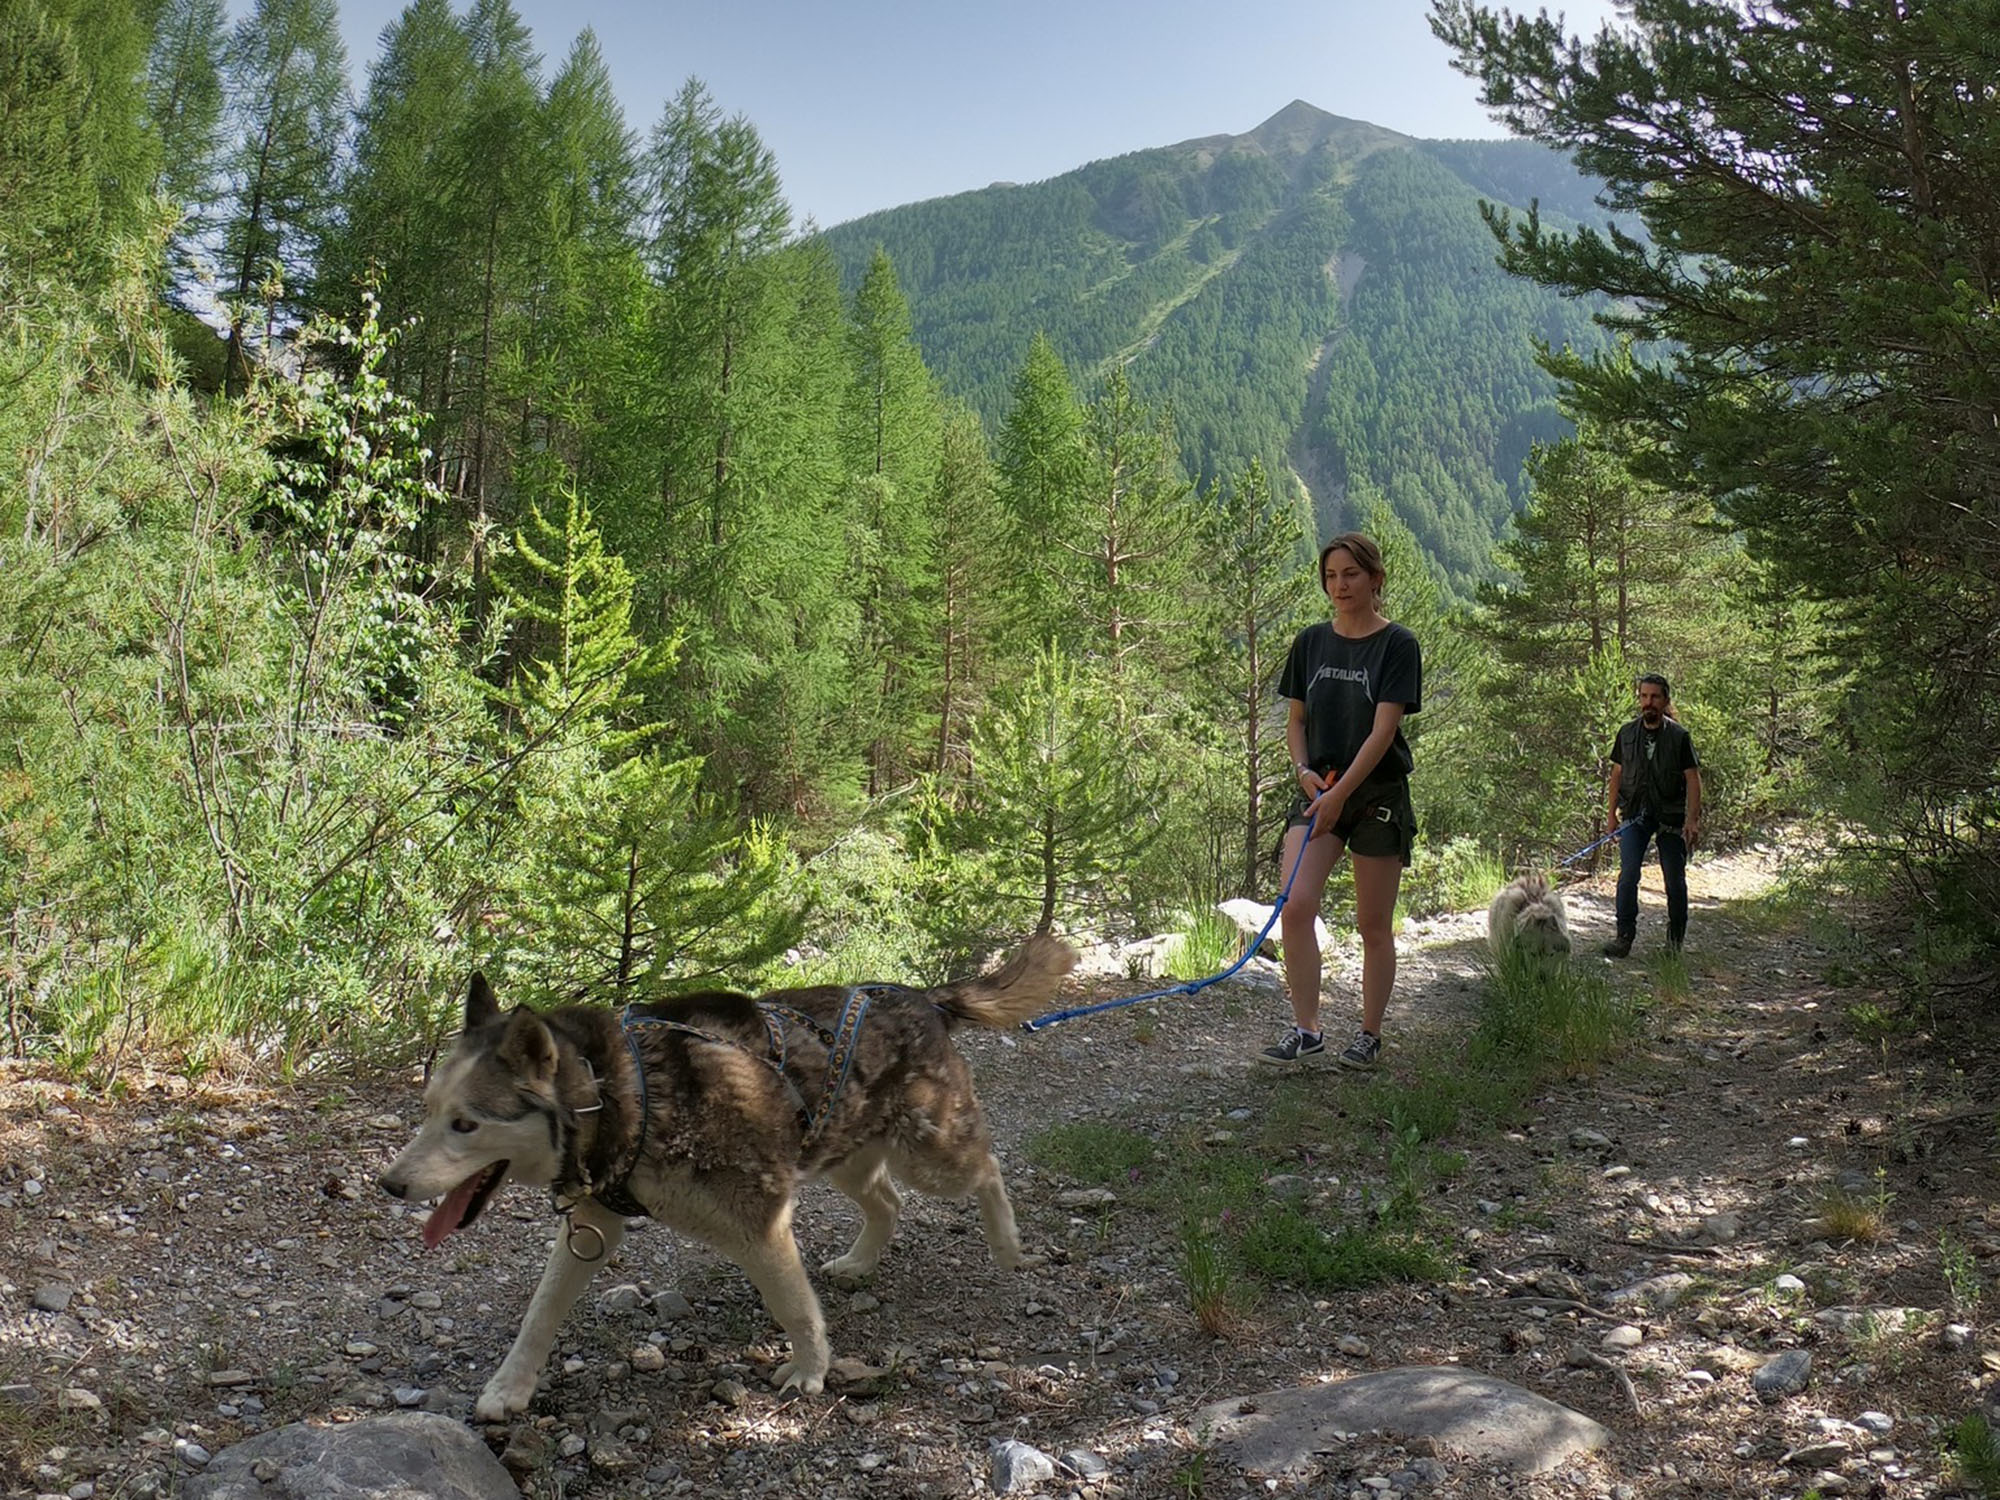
pixel 192 1262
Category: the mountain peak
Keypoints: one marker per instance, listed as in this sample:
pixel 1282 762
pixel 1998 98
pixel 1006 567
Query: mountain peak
pixel 1300 128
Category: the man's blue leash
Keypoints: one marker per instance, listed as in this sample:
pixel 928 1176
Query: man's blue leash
pixel 1193 986
pixel 1599 844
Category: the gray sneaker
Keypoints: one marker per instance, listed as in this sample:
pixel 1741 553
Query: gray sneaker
pixel 1295 1048
pixel 1363 1052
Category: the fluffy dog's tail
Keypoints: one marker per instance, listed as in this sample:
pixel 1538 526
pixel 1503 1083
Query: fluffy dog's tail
pixel 1018 990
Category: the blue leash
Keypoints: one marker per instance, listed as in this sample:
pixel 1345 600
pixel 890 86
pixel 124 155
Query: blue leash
pixel 1192 986
pixel 1600 843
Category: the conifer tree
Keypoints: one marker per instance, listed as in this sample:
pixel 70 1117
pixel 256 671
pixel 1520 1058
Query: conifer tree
pixel 733 428
pixel 75 163
pixel 890 440
pixel 972 589
pixel 184 103
pixel 496 175
pixel 1255 579
pixel 583 277
pixel 287 68
pixel 576 651
pixel 1058 802
pixel 1041 467
pixel 1126 554
pixel 398 228
pixel 1815 180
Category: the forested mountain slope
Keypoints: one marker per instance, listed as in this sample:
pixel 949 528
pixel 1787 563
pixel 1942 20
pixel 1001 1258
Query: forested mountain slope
pixel 1319 293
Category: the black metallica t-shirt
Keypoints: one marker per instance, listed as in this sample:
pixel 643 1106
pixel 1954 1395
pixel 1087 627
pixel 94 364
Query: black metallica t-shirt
pixel 1340 681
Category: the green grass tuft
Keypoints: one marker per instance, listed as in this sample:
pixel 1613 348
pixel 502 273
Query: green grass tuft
pixel 1090 1151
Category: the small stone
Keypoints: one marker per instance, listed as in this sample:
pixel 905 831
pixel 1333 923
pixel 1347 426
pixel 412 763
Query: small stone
pixel 1096 1197
pixel 266 1470
pixel 1815 1455
pixel 1787 1283
pixel 571 1446
pixel 1624 1336
pixel 407 1396
pixel 648 1359
pixel 1723 1229
pixel 1083 1464
pixel 1352 1346
pixel 52 1298
pixel 731 1393
pixel 672 1305
pixel 231 1377
pixel 864 1302
pixel 358 1349
pixel 76 1398
pixel 1589 1140
pixel 1879 1422
pixel 624 1298
pixel 1018 1466
pixel 1955 1335
pixel 191 1453
pixel 427 1301
pixel 1786 1375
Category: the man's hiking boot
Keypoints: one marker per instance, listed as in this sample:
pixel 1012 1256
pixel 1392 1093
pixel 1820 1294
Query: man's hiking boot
pixel 1619 946
pixel 1297 1047
pixel 1362 1053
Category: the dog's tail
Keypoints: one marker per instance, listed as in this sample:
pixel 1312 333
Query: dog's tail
pixel 1018 990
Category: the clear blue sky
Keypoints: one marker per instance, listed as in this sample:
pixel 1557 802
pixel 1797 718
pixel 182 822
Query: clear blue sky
pixel 870 104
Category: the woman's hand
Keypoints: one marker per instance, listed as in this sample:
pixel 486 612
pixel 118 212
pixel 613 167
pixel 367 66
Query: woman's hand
pixel 1326 808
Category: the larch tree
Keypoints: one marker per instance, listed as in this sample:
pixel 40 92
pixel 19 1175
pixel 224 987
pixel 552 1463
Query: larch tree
pixel 1254 576
pixel 287 72
pixel 890 434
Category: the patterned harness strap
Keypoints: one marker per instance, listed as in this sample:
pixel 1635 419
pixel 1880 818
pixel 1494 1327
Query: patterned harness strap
pixel 839 1044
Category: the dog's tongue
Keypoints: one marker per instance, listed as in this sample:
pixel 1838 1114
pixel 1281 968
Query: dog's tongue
pixel 449 1214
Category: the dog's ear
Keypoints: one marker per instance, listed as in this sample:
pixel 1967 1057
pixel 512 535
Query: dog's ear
pixel 528 1048
pixel 481 1005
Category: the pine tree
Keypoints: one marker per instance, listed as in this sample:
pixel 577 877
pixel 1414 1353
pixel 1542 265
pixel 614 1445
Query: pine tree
pixel 287 68
pixel 1815 181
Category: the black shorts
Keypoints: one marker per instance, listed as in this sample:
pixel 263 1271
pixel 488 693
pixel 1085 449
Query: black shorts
pixel 1378 822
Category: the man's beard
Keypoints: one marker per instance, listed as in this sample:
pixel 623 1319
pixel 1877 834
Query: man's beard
pixel 1652 715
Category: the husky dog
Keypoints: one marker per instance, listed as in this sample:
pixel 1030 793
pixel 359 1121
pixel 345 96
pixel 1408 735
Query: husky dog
pixel 706 1113
pixel 1529 915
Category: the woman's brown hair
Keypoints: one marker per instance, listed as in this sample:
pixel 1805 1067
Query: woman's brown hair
pixel 1363 550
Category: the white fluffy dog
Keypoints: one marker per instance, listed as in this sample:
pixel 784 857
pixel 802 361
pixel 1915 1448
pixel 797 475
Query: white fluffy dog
pixel 1528 914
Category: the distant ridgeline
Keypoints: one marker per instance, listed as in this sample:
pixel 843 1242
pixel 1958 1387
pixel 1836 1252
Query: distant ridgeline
pixel 1319 293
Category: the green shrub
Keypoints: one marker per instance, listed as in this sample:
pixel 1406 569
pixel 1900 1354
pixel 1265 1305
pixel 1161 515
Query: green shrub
pixel 1460 874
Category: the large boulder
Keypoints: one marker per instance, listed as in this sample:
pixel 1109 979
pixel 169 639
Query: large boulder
pixel 1283 1433
pixel 405 1455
